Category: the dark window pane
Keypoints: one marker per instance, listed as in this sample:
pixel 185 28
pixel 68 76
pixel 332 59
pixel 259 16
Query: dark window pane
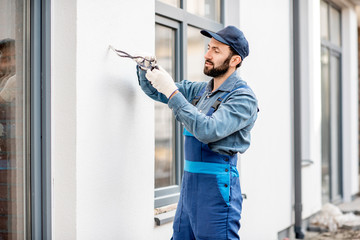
pixel 325 124
pixel 12 119
pixel 164 122
pixel 335 127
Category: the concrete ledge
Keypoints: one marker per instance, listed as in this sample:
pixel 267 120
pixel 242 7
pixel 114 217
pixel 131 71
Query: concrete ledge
pixel 164 217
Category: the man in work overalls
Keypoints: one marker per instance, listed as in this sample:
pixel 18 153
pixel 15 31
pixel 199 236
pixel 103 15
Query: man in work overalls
pixel 217 117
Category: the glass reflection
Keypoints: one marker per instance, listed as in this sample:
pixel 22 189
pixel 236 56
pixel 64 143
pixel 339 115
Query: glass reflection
pixel 324 21
pixel 197 46
pixel 164 122
pixel 325 125
pixel 335 26
pixel 335 128
pixel 175 3
pixel 12 190
pixel 210 9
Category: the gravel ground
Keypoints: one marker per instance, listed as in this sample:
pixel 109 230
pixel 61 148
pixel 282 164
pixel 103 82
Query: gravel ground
pixel 340 234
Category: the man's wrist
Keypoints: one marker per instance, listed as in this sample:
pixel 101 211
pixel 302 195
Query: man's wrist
pixel 173 94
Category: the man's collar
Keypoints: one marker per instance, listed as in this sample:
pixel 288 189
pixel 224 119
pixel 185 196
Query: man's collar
pixel 226 86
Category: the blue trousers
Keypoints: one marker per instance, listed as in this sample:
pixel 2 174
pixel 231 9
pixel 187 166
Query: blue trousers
pixel 202 213
pixel 210 201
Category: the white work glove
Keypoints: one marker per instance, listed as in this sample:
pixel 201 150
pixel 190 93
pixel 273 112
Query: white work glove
pixel 9 90
pixel 143 64
pixel 162 81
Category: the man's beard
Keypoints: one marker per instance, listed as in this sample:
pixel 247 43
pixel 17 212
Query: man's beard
pixel 218 71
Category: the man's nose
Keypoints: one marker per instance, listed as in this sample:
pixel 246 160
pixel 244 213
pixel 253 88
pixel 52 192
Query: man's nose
pixel 207 55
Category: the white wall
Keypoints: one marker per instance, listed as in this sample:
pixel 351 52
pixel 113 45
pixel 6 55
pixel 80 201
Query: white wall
pixel 350 103
pixel 266 168
pixel 63 118
pixel 110 123
pixel 115 146
pixel 311 105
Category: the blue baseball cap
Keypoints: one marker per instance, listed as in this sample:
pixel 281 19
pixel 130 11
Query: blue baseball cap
pixel 232 37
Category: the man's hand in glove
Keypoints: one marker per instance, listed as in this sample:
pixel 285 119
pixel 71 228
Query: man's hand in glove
pixel 145 61
pixel 162 81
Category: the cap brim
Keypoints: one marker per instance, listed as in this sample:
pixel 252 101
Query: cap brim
pixel 214 35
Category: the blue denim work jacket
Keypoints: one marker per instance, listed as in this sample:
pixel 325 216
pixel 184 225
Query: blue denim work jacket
pixel 227 130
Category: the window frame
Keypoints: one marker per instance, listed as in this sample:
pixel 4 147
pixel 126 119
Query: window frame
pixel 39 114
pixel 170 194
pixel 180 19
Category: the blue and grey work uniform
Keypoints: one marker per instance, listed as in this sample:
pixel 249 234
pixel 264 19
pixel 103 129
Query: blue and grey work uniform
pixel 217 126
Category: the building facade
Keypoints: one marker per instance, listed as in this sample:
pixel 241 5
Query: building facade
pixel 85 154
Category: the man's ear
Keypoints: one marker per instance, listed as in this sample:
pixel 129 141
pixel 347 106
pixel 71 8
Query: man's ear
pixel 235 60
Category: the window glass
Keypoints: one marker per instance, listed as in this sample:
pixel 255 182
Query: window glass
pixel 325 125
pixel 164 122
pixel 331 141
pixel 324 21
pixel 335 26
pixel 12 119
pixel 196 49
pixel 175 3
pixel 335 130
pixel 210 9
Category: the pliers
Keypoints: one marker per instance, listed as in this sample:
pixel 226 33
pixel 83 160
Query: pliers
pixel 143 62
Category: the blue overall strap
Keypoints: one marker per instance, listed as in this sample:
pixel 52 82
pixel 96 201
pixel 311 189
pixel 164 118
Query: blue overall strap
pixel 196 99
pixel 194 102
pixel 218 101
